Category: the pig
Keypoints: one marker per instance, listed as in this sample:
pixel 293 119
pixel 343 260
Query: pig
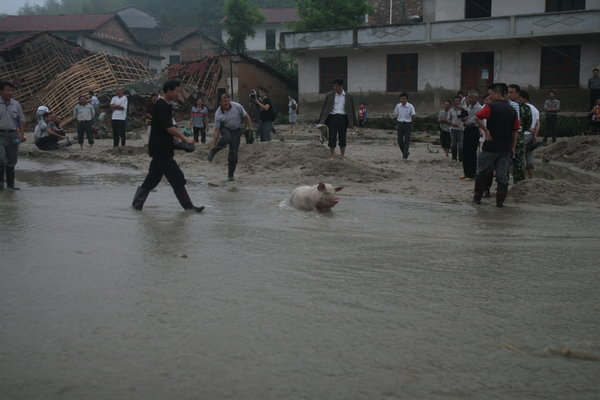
pixel 321 197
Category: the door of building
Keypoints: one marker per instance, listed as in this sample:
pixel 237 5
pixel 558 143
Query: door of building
pixel 477 71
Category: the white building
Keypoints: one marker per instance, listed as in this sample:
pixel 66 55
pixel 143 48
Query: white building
pixel 461 44
pixel 267 34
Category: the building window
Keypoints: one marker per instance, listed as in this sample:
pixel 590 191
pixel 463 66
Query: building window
pixel 564 5
pixel 560 67
pixel 331 68
pixel 402 70
pixel 174 59
pixel 478 8
pixel 271 41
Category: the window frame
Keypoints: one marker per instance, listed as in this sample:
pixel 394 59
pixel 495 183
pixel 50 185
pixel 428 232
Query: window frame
pixel 567 68
pixel 469 4
pixel 560 6
pixel 404 59
pixel 326 77
pixel 267 31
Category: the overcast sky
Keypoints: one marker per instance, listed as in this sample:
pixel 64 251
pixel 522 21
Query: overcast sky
pixel 12 6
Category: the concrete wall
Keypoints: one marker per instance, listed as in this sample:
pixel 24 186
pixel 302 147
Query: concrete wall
pixel 517 7
pixel 115 31
pixel 165 52
pixel 439 72
pixel 448 10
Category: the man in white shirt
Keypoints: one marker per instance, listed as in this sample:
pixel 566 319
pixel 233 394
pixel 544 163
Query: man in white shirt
pixel 405 115
pixel 339 115
pixel 118 105
pixel 531 133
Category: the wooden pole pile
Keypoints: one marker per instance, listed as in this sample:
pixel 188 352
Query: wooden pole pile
pixel 34 63
pixel 96 72
pixel 200 76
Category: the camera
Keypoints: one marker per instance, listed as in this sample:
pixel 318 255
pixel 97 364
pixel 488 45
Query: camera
pixel 253 95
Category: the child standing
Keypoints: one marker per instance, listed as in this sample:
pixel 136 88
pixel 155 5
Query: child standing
pixel 362 116
pixel 199 121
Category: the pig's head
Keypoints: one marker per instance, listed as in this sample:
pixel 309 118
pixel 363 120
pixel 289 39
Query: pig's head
pixel 327 196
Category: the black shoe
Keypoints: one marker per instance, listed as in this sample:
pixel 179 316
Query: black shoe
pixel 230 178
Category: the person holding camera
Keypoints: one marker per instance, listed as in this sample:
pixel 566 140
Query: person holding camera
pixel 265 115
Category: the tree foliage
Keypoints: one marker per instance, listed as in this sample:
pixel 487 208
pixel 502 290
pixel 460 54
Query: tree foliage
pixel 240 19
pixel 331 14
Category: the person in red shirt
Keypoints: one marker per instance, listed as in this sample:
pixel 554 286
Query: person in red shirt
pixel 500 134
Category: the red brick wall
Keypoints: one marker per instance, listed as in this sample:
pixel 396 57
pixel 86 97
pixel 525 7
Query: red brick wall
pixel 113 30
pixel 196 47
pixel 401 11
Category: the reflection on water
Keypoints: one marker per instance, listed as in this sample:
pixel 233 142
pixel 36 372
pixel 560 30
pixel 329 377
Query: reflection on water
pixel 384 298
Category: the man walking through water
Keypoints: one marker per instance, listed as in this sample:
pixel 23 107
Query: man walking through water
pixel 12 132
pixel 228 118
pixel 501 134
pixel 160 148
pixel 338 114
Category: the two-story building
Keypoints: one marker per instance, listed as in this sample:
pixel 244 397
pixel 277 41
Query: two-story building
pixel 266 38
pixel 94 32
pixel 460 45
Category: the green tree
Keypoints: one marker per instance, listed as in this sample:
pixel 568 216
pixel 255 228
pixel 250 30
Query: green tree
pixel 331 14
pixel 240 19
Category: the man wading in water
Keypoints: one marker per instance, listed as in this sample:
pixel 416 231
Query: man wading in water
pixel 228 119
pixel 160 148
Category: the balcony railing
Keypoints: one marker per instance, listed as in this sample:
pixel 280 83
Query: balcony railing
pixel 513 27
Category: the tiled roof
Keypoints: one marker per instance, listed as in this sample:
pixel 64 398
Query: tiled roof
pixel 16 41
pixel 172 35
pixel 54 23
pixel 280 15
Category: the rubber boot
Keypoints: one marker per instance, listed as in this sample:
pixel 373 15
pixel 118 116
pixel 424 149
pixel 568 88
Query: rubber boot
pixel 212 152
pixel 139 199
pixel 501 193
pixel 10 178
pixel 230 171
pixel 488 185
pixel 480 184
pixel 184 199
pixel 1 178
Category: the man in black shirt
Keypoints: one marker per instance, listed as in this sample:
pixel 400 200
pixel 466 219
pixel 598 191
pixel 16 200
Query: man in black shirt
pixel 501 133
pixel 160 148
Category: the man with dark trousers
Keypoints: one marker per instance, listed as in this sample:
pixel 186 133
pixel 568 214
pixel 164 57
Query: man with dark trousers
pixel 338 114
pixel 12 132
pixel 501 134
pixel 228 131
pixel 160 147
pixel 471 137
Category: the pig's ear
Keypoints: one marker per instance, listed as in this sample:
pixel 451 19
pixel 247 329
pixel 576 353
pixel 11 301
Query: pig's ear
pixel 337 189
pixel 321 186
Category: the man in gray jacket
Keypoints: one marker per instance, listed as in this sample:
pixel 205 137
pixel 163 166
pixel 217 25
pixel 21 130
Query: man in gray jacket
pixel 338 114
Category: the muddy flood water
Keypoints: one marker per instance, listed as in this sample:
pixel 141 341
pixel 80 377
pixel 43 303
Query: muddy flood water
pixel 385 298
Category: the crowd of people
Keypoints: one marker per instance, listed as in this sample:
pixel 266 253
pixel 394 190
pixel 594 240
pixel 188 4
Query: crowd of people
pixel 486 138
